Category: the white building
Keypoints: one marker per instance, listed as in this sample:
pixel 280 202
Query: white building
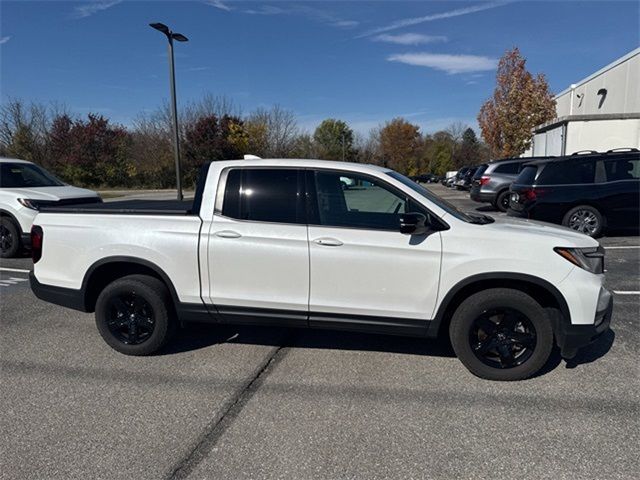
pixel 601 112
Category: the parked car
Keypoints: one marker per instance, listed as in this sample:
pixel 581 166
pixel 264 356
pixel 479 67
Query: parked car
pixel 464 182
pixel 24 188
pixel 458 176
pixel 425 178
pixel 585 192
pixel 280 242
pixel 492 180
pixel 448 178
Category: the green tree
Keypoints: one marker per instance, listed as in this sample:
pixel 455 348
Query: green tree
pixel 334 140
pixel 468 151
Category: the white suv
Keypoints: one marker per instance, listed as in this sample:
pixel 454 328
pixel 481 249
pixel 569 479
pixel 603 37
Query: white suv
pixel 24 188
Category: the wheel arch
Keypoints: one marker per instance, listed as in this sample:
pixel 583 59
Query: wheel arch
pixel 541 290
pixel 7 214
pixel 108 269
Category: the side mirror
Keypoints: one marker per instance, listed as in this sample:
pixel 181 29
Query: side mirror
pixel 413 223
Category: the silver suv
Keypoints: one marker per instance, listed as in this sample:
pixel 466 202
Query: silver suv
pixel 492 180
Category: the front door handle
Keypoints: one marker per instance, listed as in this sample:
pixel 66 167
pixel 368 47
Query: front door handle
pixel 227 234
pixel 328 242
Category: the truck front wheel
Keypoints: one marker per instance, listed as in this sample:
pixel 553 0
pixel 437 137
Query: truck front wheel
pixel 501 334
pixel 133 315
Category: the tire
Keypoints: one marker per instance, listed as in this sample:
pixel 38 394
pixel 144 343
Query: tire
pixel 502 201
pixel 148 300
pixel 9 238
pixel 512 347
pixel 584 219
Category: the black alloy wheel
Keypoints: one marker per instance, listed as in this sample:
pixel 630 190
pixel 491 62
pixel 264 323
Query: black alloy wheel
pixel 130 318
pixel 9 239
pixel 502 338
pixel 135 315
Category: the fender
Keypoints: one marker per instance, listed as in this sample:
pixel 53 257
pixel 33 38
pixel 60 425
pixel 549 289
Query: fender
pixel 186 311
pixel 6 213
pixel 434 326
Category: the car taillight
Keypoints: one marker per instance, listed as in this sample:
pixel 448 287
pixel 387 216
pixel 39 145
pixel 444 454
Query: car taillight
pixel 37 237
pixel 484 180
pixel 532 194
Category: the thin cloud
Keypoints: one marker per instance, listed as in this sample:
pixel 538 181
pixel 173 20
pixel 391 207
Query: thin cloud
pixel 451 64
pixel 407 22
pixel 87 9
pixel 219 4
pixel 409 39
pixel 311 13
pixel 4 40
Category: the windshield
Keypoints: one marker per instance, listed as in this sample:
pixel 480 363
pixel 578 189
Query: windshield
pixel 443 204
pixel 25 175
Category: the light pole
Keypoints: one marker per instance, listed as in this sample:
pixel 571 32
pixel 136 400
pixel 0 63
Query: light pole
pixel 161 27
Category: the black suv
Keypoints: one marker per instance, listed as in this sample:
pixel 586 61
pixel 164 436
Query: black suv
pixel 464 180
pixel 587 192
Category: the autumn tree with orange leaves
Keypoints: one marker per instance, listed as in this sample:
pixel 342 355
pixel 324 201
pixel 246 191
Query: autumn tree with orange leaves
pixel 520 102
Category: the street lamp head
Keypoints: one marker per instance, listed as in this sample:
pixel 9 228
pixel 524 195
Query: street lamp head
pixel 161 27
pixel 179 37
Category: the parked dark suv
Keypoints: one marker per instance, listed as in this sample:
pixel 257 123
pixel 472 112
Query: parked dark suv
pixel 464 181
pixel 492 180
pixel 585 192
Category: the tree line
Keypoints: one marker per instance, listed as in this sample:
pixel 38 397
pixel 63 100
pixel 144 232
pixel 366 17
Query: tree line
pixel 96 152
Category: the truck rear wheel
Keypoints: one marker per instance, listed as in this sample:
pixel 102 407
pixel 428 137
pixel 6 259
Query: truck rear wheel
pixel 133 315
pixel 501 334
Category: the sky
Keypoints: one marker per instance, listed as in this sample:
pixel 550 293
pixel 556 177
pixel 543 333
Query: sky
pixel 365 62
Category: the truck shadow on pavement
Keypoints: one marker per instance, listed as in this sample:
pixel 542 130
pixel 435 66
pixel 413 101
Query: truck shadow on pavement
pixel 198 336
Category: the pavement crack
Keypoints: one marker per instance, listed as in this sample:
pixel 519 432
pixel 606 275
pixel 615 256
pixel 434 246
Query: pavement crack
pixel 216 428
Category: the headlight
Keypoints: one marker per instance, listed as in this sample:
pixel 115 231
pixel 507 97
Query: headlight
pixel 589 259
pixel 32 204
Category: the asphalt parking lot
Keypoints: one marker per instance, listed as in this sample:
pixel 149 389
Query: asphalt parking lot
pixel 233 402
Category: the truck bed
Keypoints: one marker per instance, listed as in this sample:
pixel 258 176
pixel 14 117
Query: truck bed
pixel 129 207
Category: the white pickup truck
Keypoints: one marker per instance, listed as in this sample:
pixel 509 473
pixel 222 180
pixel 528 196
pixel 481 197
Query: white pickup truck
pixel 282 242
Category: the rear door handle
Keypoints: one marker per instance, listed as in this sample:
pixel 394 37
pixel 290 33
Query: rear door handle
pixel 227 234
pixel 328 242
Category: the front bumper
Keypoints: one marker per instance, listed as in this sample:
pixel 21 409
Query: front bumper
pixel 570 338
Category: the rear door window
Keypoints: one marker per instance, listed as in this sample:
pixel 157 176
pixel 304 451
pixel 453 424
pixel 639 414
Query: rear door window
pixel 626 168
pixel 508 168
pixel 264 195
pixel 568 172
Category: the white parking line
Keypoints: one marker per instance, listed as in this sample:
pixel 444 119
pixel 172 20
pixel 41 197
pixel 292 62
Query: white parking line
pixel 12 281
pixel 6 269
pixel 622 247
pixel 618 292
